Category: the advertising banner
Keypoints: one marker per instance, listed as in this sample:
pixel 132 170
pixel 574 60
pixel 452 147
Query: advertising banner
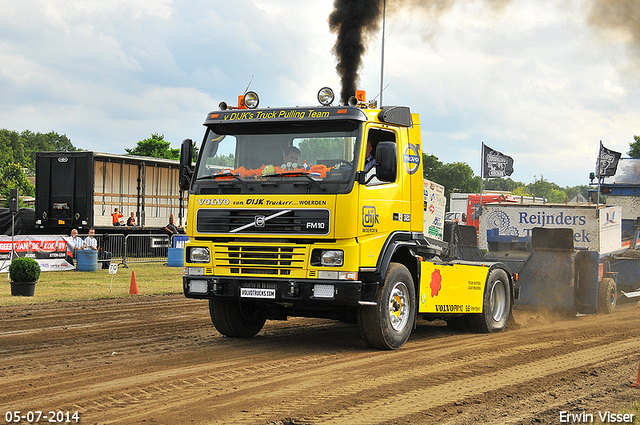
pixel 596 229
pixel 52 253
pixel 434 205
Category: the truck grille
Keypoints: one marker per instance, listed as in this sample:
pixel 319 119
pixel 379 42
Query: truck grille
pixel 263 221
pixel 263 260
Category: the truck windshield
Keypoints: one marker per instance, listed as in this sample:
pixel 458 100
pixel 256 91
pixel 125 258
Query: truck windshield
pixel 284 152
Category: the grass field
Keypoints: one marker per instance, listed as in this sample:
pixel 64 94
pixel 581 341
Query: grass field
pixel 151 278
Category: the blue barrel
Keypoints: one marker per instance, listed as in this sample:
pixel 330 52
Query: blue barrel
pixel 176 257
pixel 87 260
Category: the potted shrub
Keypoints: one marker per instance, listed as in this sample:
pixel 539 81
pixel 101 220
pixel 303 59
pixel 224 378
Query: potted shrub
pixel 24 273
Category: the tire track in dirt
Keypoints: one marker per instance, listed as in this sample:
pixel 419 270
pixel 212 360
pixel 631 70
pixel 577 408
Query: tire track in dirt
pixel 398 406
pixel 251 379
pixel 177 369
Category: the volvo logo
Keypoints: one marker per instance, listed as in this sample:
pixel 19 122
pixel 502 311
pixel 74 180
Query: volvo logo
pixel 259 220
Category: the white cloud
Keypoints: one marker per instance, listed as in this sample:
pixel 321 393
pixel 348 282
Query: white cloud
pixel 533 79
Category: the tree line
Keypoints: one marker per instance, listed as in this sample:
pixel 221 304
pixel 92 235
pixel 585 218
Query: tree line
pixel 459 177
pixel 18 161
pixel 18 158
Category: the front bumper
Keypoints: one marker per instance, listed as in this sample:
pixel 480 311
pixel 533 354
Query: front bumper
pixel 306 291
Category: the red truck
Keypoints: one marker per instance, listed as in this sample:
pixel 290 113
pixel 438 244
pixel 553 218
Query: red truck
pixel 466 207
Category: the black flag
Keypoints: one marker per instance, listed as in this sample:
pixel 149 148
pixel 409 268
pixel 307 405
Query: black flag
pixel 495 164
pixel 607 162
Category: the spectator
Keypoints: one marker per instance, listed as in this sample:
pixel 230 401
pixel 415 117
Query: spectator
pixel 117 217
pixel 171 228
pixel 90 242
pixel 131 221
pixel 77 243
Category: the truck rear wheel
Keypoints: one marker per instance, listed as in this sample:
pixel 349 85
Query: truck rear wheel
pixel 607 296
pixel 236 319
pixel 496 306
pixel 388 324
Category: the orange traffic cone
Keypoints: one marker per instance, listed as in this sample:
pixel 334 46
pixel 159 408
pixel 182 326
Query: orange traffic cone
pixel 133 289
pixel 637 384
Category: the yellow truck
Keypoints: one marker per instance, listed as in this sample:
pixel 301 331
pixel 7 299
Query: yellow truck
pixel 324 212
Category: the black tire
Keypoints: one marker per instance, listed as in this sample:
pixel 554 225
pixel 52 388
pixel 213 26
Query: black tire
pixel 236 319
pixel 496 305
pixel 388 324
pixel 607 296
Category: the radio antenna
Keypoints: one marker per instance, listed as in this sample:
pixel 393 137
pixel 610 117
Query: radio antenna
pixel 248 85
pixel 380 94
pixel 384 13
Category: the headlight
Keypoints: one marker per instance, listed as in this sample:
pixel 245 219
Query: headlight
pixel 333 258
pixel 199 255
pixel 251 100
pixel 326 96
pixel 327 258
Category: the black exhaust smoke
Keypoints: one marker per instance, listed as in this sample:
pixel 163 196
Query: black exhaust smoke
pixel 353 21
pixel 618 14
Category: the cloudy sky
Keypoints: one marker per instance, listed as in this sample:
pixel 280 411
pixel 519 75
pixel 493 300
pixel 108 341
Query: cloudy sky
pixel 540 80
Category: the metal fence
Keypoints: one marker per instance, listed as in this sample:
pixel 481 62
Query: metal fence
pixel 133 248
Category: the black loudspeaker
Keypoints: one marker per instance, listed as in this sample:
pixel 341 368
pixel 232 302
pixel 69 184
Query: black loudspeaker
pixel 13 200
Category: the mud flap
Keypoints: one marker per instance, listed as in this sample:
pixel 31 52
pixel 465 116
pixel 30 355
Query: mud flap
pixel 587 281
pixel 546 279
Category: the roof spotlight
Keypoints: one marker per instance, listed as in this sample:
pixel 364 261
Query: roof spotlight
pixel 251 100
pixel 326 96
pixel 223 106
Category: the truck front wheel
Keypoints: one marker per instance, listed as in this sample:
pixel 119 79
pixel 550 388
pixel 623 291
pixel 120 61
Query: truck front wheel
pixel 388 324
pixel 236 319
pixel 496 306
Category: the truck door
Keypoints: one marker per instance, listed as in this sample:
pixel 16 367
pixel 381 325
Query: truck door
pixel 382 205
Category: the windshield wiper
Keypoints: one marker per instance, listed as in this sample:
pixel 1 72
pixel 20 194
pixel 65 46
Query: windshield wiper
pixel 300 173
pixel 226 174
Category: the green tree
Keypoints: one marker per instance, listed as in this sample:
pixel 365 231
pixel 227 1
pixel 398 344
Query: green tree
pixel 13 177
pixel 455 176
pixel 155 147
pixel 43 142
pixel 521 191
pixel 21 148
pixel 503 184
pixel 459 177
pixel 572 192
pixel 545 189
pixel 431 168
pixel 634 152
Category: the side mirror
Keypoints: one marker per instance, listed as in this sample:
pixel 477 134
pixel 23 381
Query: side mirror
pixel 387 161
pixel 186 153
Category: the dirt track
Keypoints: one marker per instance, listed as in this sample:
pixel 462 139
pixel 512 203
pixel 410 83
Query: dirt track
pixel 159 360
